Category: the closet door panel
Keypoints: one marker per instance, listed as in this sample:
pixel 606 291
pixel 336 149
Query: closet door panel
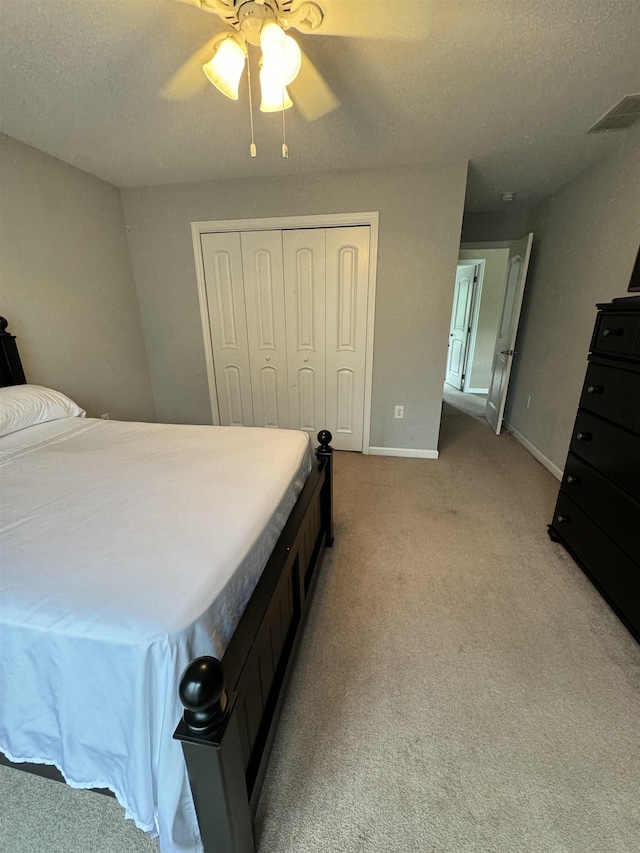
pixel 264 298
pixel 304 280
pixel 222 259
pixel 347 279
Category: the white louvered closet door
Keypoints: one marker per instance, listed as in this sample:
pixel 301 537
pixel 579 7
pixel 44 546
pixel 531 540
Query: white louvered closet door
pixel 304 281
pixel 347 285
pixel 224 281
pixel 266 334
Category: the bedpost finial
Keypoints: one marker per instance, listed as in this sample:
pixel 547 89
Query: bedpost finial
pixel 203 695
pixel 3 324
pixel 324 438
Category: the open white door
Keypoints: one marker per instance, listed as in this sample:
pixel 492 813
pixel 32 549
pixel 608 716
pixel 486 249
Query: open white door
pixel 460 325
pixel 517 267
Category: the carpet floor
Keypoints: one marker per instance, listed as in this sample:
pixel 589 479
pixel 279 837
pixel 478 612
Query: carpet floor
pixel 460 687
pixel 468 404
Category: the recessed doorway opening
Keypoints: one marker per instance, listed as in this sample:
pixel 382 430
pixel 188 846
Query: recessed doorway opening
pixel 487 298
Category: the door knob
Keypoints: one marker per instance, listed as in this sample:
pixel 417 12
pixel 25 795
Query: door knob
pixel 573 478
pixel 595 389
pixel 267 358
pixel 583 436
pixel 305 359
pixel 563 519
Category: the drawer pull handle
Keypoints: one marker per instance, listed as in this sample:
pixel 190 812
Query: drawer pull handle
pixel 584 436
pixel 616 333
pixel 595 389
pixel 563 519
pixel 573 479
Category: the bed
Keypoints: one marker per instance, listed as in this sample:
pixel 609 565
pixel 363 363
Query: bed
pixel 134 554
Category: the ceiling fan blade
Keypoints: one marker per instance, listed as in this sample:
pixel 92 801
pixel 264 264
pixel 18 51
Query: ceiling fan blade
pixel 376 19
pixel 219 7
pixel 189 80
pixel 226 10
pixel 311 93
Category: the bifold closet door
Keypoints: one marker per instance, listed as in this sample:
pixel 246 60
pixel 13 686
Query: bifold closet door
pixel 347 287
pixel 288 318
pixel 304 282
pixel 266 335
pixel 224 282
pixel 245 295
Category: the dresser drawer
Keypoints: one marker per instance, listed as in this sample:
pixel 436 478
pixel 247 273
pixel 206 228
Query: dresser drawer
pixel 617 334
pixel 613 451
pixel 614 394
pixel 617 514
pixel 613 572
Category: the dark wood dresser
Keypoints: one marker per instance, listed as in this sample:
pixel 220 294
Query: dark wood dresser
pixel 597 516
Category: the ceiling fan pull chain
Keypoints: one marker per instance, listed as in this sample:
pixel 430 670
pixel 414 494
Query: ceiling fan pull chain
pixel 285 150
pixel 253 144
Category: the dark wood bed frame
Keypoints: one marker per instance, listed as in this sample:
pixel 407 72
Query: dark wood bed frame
pixel 232 706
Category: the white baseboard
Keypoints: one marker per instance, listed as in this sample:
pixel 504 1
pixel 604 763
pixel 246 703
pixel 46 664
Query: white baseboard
pixel 548 464
pixel 403 451
pixel 476 390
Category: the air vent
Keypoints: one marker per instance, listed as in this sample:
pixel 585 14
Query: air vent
pixel 621 116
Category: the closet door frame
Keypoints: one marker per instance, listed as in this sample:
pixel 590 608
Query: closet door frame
pixel 332 220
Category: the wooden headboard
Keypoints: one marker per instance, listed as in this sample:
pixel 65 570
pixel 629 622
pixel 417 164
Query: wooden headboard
pixel 11 372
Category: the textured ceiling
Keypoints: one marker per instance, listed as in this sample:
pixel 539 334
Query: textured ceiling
pixel 511 85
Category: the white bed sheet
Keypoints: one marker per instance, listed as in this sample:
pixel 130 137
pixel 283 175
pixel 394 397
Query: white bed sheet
pixel 126 550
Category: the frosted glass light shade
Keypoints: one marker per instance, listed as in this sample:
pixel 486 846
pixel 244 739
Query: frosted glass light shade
pixel 281 56
pixel 225 68
pixel 275 97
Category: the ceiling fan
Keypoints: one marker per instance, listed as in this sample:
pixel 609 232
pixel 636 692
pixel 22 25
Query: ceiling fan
pixel 287 76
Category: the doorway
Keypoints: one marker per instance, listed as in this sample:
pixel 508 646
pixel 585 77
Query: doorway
pixel 481 388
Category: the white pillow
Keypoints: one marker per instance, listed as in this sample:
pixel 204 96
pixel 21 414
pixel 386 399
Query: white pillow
pixel 25 405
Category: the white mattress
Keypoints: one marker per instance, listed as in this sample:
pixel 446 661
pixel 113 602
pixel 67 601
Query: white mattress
pixel 127 550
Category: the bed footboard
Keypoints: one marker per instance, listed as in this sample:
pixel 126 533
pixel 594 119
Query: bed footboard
pixel 232 707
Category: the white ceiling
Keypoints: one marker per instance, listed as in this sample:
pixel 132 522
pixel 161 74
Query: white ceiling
pixel 511 85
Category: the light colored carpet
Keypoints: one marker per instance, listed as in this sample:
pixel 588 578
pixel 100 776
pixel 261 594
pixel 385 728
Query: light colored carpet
pixel 41 816
pixel 469 404
pixel 460 687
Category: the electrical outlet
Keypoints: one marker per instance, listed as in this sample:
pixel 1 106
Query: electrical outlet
pixel 399 412
pixel 528 401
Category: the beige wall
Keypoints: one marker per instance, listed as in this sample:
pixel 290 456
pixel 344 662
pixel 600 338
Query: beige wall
pixel 491 300
pixel 66 284
pixel 587 237
pixel 508 224
pixel 420 222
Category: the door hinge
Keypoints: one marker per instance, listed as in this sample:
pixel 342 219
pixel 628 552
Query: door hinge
pixel 475 279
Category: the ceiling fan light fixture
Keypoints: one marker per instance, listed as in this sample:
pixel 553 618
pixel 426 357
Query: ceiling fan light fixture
pixel 281 55
pixel 225 68
pixel 275 97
